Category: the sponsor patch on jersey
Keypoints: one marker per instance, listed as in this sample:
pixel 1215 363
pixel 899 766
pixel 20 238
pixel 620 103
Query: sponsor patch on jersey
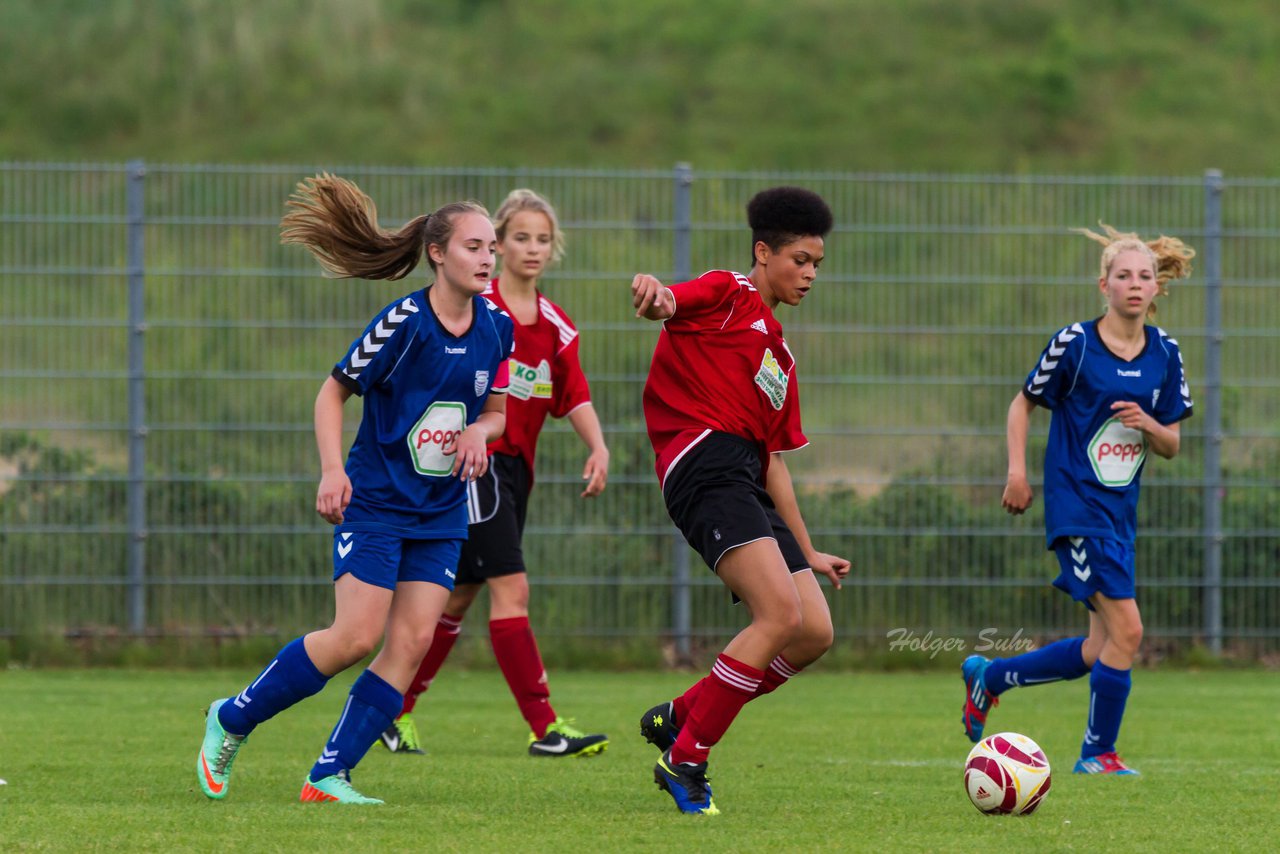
pixel 772 379
pixel 439 425
pixel 528 381
pixel 1116 453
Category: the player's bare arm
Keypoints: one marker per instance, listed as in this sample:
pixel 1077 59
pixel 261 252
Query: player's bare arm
pixel 1163 439
pixel 1017 491
pixel 334 492
pixel 595 472
pixel 780 488
pixel 651 299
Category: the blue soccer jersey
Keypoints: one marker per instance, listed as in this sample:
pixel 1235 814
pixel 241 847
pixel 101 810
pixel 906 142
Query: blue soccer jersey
pixel 421 386
pixel 1093 462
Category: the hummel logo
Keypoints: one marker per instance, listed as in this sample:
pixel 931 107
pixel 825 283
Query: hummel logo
pixel 1124 373
pixel 455 351
pixel 345 548
pixel 759 326
pixel 327 756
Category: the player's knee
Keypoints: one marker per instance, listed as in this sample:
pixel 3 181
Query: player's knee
pixel 1129 636
pixel 820 637
pixel 784 622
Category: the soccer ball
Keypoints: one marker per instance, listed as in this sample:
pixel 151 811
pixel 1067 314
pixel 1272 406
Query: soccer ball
pixel 1006 774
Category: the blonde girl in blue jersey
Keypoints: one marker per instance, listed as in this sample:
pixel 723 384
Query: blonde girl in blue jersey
pixel 425 368
pixel 1116 389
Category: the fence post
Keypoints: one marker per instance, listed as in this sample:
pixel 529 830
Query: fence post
pixel 681 594
pixel 1213 489
pixel 137 498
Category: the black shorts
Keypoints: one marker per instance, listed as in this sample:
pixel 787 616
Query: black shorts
pixel 496 507
pixel 715 497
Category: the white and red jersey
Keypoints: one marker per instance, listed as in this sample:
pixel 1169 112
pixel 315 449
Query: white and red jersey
pixel 721 364
pixel 545 377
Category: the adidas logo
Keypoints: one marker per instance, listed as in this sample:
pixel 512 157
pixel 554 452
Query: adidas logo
pixel 759 326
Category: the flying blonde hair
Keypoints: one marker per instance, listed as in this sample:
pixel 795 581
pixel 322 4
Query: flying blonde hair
pixel 1170 257
pixel 338 224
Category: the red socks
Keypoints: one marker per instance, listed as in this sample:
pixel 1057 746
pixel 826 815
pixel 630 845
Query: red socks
pixel 517 652
pixel 721 696
pixel 780 670
pixel 446 635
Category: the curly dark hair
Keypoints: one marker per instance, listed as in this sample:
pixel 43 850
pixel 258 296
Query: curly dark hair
pixel 780 215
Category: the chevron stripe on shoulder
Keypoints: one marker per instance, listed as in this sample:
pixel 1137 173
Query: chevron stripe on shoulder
pixel 557 318
pixel 1183 388
pixel 377 337
pixel 1052 356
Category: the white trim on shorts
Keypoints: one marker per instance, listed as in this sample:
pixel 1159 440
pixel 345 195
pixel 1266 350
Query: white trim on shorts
pixel 739 545
pixel 473 498
pixel 666 475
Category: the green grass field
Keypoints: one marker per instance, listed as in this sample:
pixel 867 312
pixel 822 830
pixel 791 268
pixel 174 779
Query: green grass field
pixel 105 760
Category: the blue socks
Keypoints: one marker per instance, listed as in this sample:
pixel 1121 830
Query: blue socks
pixel 1108 691
pixel 371 707
pixel 289 678
pixel 1053 663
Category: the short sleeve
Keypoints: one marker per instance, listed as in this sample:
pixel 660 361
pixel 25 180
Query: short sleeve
pixel 1053 377
pixel 373 356
pixel 568 382
pixel 505 327
pixel 706 301
pixel 1174 402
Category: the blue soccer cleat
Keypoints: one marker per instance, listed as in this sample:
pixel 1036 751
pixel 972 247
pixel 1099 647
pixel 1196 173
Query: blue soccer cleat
pixel 977 700
pixel 687 785
pixel 1105 763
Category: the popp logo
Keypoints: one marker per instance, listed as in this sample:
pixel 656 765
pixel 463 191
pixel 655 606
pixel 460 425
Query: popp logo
pixel 1117 453
pixel 438 426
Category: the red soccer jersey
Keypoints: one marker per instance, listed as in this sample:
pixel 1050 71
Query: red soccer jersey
pixel 721 364
pixel 545 377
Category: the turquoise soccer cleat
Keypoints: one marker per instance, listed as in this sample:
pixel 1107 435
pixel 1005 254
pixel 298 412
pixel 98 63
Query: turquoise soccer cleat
pixel 217 753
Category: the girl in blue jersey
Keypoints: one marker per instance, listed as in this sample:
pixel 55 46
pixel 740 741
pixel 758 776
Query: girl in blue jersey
pixel 1116 389
pixel 431 369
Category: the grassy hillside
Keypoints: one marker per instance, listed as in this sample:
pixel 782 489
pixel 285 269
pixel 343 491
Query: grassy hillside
pixel 1125 86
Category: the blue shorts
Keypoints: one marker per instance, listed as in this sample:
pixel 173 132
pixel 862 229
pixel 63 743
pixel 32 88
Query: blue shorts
pixel 383 559
pixel 1090 565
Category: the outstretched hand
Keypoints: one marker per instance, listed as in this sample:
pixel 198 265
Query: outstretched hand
pixel 651 299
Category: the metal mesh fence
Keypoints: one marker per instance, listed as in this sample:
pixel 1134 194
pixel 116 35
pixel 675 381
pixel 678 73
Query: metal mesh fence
pixel 160 351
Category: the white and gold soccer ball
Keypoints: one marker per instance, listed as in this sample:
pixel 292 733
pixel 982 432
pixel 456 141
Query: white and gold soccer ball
pixel 1006 774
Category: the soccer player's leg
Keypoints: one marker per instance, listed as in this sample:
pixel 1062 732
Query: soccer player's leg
pixel 816 633
pixel 402 736
pixel 409 611
pixel 1110 683
pixel 291 676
